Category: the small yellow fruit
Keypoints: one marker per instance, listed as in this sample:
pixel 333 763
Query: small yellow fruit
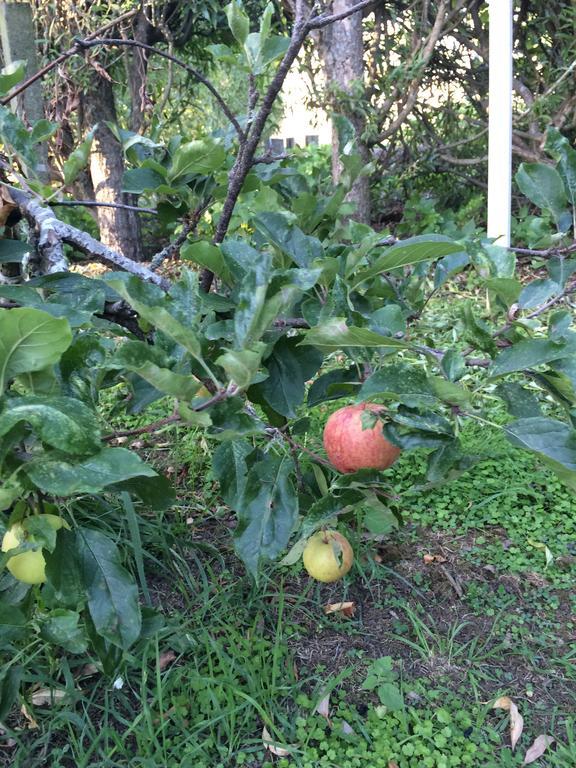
pixel 29 567
pixel 328 556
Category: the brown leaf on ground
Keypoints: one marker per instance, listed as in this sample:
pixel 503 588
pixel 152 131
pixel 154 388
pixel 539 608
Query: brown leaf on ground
pixel 347 609
pixel 45 696
pixel 271 746
pixel 516 719
pixel 165 659
pixel 429 559
pixel 540 745
pixel 323 706
pixel 32 724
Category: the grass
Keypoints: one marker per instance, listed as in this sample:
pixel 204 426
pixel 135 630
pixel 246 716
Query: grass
pixel 223 658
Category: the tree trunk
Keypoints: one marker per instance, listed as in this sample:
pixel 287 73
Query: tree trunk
pixel 342 50
pixel 119 229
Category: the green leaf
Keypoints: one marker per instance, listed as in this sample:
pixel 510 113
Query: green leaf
pixel 520 402
pixel 559 147
pixel 78 159
pixel 505 288
pixel 340 382
pixel 242 366
pixel 447 463
pixel 230 421
pixel 267 511
pixel 155 492
pixel 378 518
pixel 12 624
pixel 543 185
pixel 62 422
pixel 154 306
pixel 11 74
pixel 238 21
pixel 449 392
pixel 9 687
pixel 147 362
pixel 138 180
pixel 529 353
pixel 477 332
pixel 335 334
pixel 289 368
pixel 112 593
pixel 30 340
pixel 327 508
pixel 453 365
pixel 388 320
pixel 208 256
pixel 289 239
pixel 560 269
pixel 402 382
pixel 537 293
pixel 448 266
pixel 390 696
pixel 63 570
pixel 12 251
pixel 62 627
pixel 552 440
pixel 411 251
pixel 92 475
pixel 230 469
pixel 199 157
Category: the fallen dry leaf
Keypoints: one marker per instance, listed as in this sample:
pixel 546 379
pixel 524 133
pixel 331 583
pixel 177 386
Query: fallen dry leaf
pixel 392 764
pixel 540 745
pixel 88 670
pixel 428 559
pixel 347 728
pixel 323 707
pixel 165 659
pixel 271 746
pixel 32 724
pixel 516 719
pixel 44 696
pixel 6 743
pixel 347 609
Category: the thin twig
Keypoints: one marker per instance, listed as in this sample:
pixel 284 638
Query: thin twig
pixel 63 57
pixel 97 204
pixel 115 41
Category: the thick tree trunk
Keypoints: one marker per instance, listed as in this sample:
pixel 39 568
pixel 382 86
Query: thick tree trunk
pixel 119 228
pixel 342 51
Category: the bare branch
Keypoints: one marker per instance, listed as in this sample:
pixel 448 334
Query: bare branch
pixel 52 233
pixel 97 204
pixel 64 56
pixel 317 22
pixel 113 41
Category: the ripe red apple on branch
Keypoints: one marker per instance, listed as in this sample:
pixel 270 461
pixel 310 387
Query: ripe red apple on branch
pixel 350 447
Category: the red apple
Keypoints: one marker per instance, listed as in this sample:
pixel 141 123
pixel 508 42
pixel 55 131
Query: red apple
pixel 349 447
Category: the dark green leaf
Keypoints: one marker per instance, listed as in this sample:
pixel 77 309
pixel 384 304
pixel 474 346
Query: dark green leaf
pixel 92 475
pixel 520 402
pixel 477 332
pixel 112 593
pixel 402 382
pixel 208 256
pixel 10 75
pixel 543 185
pixel 289 367
pixel 12 251
pixel 62 422
pixel 62 627
pixel 448 266
pixel 63 570
pixel 267 511
pixel 12 624
pixel 537 293
pixel 327 508
pixel 156 492
pixel 230 469
pixel 552 440
pixel 388 320
pixel 340 382
pixel 9 687
pixel 138 180
pixel 289 239
pixel 411 251
pixel 529 353
pixel 453 365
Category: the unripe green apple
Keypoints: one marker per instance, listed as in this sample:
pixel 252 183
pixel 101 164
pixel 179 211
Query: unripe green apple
pixel 29 567
pixel 328 556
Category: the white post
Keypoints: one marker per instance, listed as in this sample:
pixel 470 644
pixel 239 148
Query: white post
pixel 500 121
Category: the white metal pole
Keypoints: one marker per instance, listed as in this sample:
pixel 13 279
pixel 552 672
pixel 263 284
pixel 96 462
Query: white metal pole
pixel 500 120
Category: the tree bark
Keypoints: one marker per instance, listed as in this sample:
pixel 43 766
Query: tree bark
pixel 119 228
pixel 342 51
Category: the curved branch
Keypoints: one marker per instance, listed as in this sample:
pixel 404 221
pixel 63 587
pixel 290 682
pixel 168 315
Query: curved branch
pixel 114 41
